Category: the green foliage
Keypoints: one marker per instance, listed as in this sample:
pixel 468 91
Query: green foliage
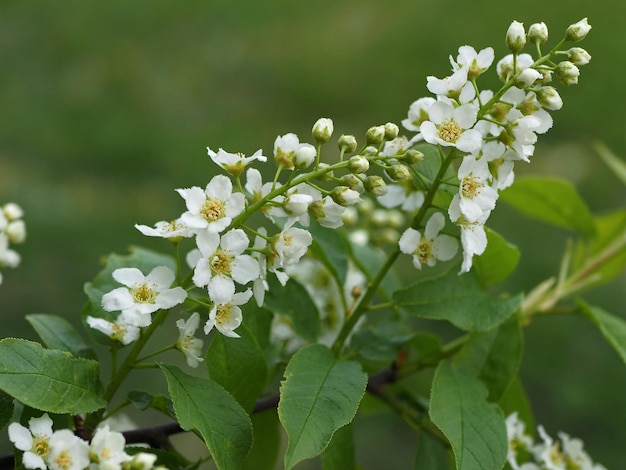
pixel 432 454
pixel 331 249
pixel 318 395
pixel 551 200
pixel 57 333
pixel 498 261
pixel 6 409
pixel 612 328
pixel 48 379
pixel 202 405
pixel 615 164
pixel 457 299
pixel 266 449
pixel 339 454
pixel 143 400
pixel 474 427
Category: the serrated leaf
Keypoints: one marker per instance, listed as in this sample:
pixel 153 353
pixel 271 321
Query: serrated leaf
pixel 498 261
pixel 48 379
pixel 318 396
pixel 551 200
pixel 6 409
pixel 431 453
pixel 267 441
pixel 458 299
pixel 58 333
pixel 613 328
pixel 203 405
pixel 238 365
pixel 474 427
pixel 143 400
pixel 294 301
pixel 339 455
pixel 330 248
pixel 493 356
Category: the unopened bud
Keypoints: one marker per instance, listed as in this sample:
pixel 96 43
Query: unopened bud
pixel 304 156
pixel 12 211
pixel 347 143
pixel 356 292
pixel 323 130
pixel 578 31
pixel 345 196
pixel 370 151
pixel 16 231
pixel 375 185
pixel 527 77
pixel 516 37
pixel 413 156
pixel 375 135
pixel 549 98
pixel 578 56
pixel 538 33
pixel 391 131
pixel 398 172
pixel 567 73
pixel 325 176
pixel 358 164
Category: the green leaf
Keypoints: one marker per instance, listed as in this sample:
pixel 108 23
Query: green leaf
pixel 58 333
pixel 498 261
pixel 294 301
pixel 238 365
pixel 339 455
pixel 143 400
pixel 369 260
pixel 458 299
pixel 474 427
pixel 6 409
pixel 612 327
pixel 330 248
pixel 493 356
pixel 48 379
pixel 381 341
pixel 140 258
pixel 551 200
pixel 431 453
pixel 615 164
pixel 203 405
pixel 267 441
pixel 513 400
pixel 429 167
pixel 318 396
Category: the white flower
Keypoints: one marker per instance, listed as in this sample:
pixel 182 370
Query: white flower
pixel 16 231
pixel 285 148
pixel 34 441
pixel 223 263
pixel 394 147
pixel 8 257
pixel 304 156
pixel 450 126
pixel 117 331
pixel 142 461
pixel 174 230
pixel 234 163
pixel 226 316
pixel 578 31
pixel 549 98
pixel 67 451
pixel 327 212
pixel 473 236
pixel 407 196
pixel 214 207
pixel 418 113
pixel 476 63
pixel 505 65
pixel 107 448
pixel 518 439
pixel 142 295
pixel 190 346
pixel 290 245
pixel 449 86
pixel 432 246
pixel 516 36
pixel 12 211
pixel 476 196
pixel 323 130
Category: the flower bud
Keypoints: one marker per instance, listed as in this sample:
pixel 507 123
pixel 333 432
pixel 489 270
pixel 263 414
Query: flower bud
pixel 358 164
pixel 16 231
pixel 350 216
pixel 352 182
pixel 345 196
pixel 375 185
pixel 304 156
pixel 516 37
pixel 297 204
pixel 398 172
pixel 567 73
pixel 323 130
pixel 12 211
pixel 391 131
pixel 578 56
pixel 370 151
pixel 549 98
pixel 413 156
pixel 378 218
pixel 347 143
pixel 527 77
pixel 538 33
pixel 578 31
pixel 375 135
pixel 326 176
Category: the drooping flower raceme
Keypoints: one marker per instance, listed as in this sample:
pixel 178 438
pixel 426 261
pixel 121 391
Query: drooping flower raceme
pixel 143 295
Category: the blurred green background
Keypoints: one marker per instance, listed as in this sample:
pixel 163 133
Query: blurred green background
pixel 106 107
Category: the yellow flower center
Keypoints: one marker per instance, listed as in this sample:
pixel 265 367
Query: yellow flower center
pixel 450 131
pixel 213 209
pixel 221 263
pixel 425 250
pixel 40 446
pixel 470 188
pixel 143 294
pixel 222 315
pixel 64 460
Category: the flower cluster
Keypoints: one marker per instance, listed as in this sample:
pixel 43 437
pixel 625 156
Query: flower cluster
pixel 12 231
pixel 491 130
pixel 44 448
pixel 524 454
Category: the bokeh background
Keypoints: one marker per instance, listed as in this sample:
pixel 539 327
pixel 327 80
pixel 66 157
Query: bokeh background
pixel 106 107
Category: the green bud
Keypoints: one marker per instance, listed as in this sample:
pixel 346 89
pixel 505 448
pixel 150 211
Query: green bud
pixel 413 156
pixel 578 56
pixel 323 130
pixel 375 135
pixel 375 185
pixel 398 172
pixel 391 131
pixel 538 33
pixel 358 164
pixel 347 143
pixel 578 31
pixel 370 151
pixel 326 176
pixel 567 73
pixel 515 37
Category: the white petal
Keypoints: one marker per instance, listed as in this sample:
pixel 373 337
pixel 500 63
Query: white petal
pixel 235 241
pixel 171 297
pixel 221 289
pixel 434 225
pixel 207 243
pixel 445 247
pixel 194 198
pixel 409 241
pixel 202 272
pixel 161 276
pixel 130 277
pixel 20 436
pixel 245 269
pixel 220 187
pixel 117 299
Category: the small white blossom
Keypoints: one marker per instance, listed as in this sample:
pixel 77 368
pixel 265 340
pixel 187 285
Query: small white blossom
pixel 431 247
pixel 290 245
pixel 407 197
pixel 505 65
pixel 214 207
pixel 475 62
pixel 67 451
pixel 190 346
pixel 174 230
pixel 12 211
pixel 226 316
pixel 418 113
pixel 143 295
pixel 450 126
pixel 34 441
pixel 518 439
pixel 107 448
pixel 477 197
pixel 285 148
pixel 234 163
pixel 450 86
pixel 117 330
pixel 327 212
pixel 538 33
pixel 473 235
